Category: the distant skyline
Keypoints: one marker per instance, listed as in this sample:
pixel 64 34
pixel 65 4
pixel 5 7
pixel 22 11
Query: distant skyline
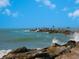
pixel 39 13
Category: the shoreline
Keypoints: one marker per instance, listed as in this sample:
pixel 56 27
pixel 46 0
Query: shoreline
pixel 51 52
pixel 54 51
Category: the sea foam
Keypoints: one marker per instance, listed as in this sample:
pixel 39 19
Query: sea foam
pixel 75 37
pixel 55 40
pixel 4 52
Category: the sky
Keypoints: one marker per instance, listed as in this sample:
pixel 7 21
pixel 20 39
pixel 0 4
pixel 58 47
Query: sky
pixel 39 13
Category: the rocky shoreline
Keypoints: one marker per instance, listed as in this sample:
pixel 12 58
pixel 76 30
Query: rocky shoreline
pixel 54 30
pixel 70 50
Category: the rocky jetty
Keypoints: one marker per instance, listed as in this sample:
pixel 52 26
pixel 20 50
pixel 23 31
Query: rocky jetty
pixel 70 50
pixel 54 30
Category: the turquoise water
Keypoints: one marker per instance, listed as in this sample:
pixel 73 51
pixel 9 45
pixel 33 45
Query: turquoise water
pixel 10 39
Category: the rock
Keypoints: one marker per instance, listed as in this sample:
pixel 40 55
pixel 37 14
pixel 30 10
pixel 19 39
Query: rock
pixel 55 50
pixel 70 44
pixel 74 54
pixel 43 56
pixel 70 50
pixel 20 50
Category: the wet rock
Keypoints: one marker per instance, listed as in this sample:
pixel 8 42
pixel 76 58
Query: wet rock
pixel 20 50
pixel 70 44
pixel 70 50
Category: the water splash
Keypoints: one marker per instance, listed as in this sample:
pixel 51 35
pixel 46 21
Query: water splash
pixel 58 41
pixel 4 52
pixel 75 37
pixel 55 40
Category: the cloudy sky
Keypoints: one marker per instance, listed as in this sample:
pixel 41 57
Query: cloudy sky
pixel 39 13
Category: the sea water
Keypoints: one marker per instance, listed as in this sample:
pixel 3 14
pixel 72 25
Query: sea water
pixel 11 39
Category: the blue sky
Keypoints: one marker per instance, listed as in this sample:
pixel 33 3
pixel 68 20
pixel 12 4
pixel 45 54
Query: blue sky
pixel 39 13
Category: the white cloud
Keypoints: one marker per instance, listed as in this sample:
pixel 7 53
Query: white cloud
pixel 47 3
pixel 37 0
pixel 77 1
pixel 4 3
pixel 64 9
pixel 74 14
pixel 15 14
pixel 8 12
pixel 70 14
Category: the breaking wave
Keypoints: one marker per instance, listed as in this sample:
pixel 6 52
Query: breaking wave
pixel 55 40
pixel 75 37
pixel 4 52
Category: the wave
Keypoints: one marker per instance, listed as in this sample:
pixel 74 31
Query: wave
pixel 75 37
pixel 58 41
pixel 4 52
pixel 55 40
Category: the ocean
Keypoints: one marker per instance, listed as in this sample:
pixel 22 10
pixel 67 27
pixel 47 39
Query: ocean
pixel 11 39
pixel 14 38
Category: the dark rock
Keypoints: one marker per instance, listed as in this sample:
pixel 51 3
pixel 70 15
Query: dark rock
pixel 20 50
pixel 43 55
pixel 55 44
pixel 70 43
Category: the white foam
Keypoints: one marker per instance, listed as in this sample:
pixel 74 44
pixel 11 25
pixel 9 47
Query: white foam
pixel 54 40
pixel 4 52
pixel 39 48
pixel 75 37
